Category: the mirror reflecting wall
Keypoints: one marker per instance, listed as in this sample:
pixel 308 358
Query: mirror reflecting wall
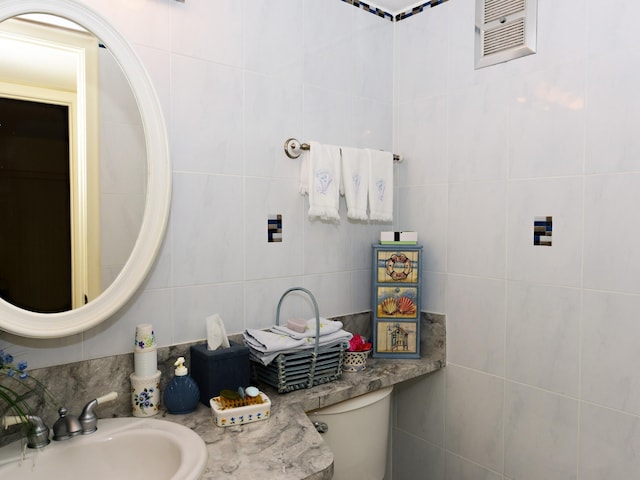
pixel 73 165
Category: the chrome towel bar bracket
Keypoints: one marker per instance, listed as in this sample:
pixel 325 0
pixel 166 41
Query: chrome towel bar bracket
pixel 293 148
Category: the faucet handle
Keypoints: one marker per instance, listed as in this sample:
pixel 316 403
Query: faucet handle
pixel 38 432
pixel 88 418
pixel 11 420
pixel 107 398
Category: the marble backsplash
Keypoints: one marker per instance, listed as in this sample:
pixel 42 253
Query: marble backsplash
pixel 74 384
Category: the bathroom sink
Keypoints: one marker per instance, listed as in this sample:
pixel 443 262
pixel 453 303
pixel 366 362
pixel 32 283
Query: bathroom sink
pixel 121 448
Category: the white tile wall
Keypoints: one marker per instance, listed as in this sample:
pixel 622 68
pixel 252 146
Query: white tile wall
pixel 206 116
pixel 474 404
pixel 540 430
pixel 610 119
pixel 476 229
pixel 542 376
pixel 272 39
pixel 610 251
pixel 423 135
pixel 477 132
pixel 542 318
pixel 609 444
pixel 609 320
pixel 476 326
pixel 547 104
pixel 424 418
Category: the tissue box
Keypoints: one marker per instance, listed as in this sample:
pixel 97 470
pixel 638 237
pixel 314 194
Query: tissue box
pixel 215 370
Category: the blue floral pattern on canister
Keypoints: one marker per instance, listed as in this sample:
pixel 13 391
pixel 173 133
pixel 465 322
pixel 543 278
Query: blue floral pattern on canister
pixel 144 399
pixel 145 341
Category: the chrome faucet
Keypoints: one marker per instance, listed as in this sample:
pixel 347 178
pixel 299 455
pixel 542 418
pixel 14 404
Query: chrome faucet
pixel 68 426
pixel 37 431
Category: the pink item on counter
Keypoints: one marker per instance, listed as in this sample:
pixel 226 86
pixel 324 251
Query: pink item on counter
pixel 297 325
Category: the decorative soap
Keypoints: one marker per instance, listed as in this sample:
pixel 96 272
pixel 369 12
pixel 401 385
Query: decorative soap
pixel 297 325
pixel 252 391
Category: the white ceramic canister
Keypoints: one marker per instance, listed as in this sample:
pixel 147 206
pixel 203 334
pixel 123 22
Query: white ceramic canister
pixel 145 395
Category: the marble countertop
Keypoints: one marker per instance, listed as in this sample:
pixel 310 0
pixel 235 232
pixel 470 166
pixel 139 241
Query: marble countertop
pixel 286 445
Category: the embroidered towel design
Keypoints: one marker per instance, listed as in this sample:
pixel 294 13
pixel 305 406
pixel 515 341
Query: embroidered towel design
pixel 355 174
pixel 380 189
pixel 356 183
pixel 324 178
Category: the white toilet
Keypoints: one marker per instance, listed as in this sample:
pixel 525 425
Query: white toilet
pixel 358 435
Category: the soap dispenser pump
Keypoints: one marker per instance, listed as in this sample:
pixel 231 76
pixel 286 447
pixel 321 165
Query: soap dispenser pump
pixel 182 394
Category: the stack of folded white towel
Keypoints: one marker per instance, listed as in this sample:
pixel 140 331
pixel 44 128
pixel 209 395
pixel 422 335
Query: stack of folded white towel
pixel 363 176
pixel 265 345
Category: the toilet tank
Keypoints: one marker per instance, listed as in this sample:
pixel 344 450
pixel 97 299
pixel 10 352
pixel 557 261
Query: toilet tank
pixel 358 434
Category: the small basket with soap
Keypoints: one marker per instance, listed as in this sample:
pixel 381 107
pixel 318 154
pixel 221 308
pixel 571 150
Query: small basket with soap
pixel 237 408
pixel 303 368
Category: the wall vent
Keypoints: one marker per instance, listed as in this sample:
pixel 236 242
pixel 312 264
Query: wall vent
pixel 505 29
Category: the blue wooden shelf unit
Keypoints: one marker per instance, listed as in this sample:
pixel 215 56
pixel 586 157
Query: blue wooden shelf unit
pixel 395 298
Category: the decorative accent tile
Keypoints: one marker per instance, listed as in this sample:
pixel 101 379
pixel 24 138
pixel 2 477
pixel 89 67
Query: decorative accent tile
pixel 400 16
pixel 542 230
pixel 274 228
pixel 368 8
pixel 418 9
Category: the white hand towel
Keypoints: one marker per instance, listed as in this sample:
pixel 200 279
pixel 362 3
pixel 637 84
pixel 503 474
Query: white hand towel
pixel 265 342
pixel 265 346
pixel 381 186
pixel 355 181
pixel 324 181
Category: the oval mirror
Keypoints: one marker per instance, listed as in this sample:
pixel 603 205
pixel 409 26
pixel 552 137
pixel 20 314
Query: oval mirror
pixel 103 274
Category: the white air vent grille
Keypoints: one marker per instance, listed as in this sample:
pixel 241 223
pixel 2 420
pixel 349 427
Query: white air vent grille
pixel 496 9
pixel 505 29
pixel 504 37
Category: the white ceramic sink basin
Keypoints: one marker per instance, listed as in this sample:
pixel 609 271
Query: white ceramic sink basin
pixel 122 448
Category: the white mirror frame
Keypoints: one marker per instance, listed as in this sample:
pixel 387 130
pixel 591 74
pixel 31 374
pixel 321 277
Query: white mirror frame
pixel 158 201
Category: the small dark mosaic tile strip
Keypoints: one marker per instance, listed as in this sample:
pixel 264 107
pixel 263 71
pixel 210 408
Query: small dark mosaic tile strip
pixel 542 231
pixel 274 228
pixel 400 16
pixel 418 9
pixel 368 8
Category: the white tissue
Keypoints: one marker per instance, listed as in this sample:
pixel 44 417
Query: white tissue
pixel 216 333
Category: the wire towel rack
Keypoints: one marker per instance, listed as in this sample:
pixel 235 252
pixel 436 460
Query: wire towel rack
pixel 293 148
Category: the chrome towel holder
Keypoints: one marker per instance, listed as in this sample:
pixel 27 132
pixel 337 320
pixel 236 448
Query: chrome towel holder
pixel 293 148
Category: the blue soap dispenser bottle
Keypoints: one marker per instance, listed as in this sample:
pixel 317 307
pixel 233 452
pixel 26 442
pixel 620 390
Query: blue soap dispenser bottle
pixel 182 394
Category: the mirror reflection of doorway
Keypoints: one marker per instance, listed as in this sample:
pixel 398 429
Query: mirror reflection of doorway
pixel 35 221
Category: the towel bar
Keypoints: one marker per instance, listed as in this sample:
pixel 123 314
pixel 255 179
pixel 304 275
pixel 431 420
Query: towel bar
pixel 293 148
